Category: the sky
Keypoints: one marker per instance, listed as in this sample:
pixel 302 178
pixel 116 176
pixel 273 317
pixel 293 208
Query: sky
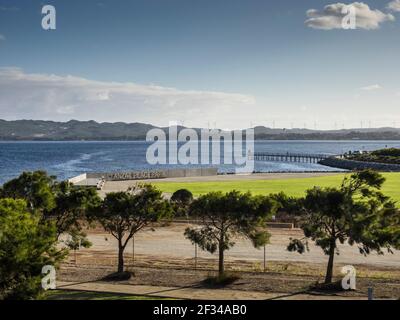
pixel 216 63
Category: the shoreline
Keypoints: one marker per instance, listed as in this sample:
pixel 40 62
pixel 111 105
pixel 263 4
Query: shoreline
pixel 256 140
pixel 271 175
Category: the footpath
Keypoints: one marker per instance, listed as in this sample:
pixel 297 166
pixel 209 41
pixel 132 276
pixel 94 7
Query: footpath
pixel 192 292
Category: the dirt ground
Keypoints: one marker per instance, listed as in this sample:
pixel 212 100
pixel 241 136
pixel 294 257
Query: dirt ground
pixel 169 243
pixel 165 258
pixel 270 282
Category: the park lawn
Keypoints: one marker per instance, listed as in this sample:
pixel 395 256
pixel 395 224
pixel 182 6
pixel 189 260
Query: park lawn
pixel 292 187
pixel 91 295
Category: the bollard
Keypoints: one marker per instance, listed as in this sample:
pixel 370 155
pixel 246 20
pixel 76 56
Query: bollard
pixel 265 265
pixel 370 294
pixel 133 251
pixel 195 257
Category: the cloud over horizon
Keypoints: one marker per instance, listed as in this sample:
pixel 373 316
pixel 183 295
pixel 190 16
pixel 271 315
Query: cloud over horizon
pixel 53 97
pixel 394 5
pixel 331 17
pixel 371 87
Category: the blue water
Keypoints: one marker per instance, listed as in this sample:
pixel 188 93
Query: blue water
pixel 68 159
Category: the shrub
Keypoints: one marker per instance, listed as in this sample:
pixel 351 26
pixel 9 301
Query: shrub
pixel 390 152
pixel 26 246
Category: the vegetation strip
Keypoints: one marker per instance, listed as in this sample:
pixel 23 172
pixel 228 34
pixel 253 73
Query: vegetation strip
pixel 36 209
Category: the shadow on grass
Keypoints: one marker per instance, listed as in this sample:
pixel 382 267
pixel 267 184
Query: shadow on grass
pixel 90 295
pixel 215 282
pixel 333 289
pixel 118 276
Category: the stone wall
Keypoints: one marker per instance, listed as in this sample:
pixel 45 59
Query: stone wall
pixel 153 174
pixel 359 165
pixel 78 179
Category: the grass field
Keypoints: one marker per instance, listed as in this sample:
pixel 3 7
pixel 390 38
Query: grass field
pixel 292 187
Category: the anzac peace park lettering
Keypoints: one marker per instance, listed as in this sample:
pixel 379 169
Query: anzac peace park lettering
pixel 136 175
pixel 148 174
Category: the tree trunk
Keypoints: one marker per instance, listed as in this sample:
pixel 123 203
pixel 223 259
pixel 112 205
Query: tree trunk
pixel 329 269
pixel 120 256
pixel 221 268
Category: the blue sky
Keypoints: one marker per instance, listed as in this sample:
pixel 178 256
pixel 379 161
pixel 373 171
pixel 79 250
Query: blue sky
pixel 233 63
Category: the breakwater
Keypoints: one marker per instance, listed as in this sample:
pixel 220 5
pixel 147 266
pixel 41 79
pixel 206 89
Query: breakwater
pixel 359 165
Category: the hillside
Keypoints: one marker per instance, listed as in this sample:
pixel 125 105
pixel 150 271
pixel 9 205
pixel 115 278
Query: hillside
pixel 91 130
pixel 71 130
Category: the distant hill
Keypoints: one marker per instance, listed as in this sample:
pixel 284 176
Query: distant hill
pixel 264 133
pixel 91 130
pixel 71 130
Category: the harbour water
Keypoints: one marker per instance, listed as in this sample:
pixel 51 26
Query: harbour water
pixel 67 159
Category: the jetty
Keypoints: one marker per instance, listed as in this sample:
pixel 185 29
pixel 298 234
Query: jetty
pixel 290 157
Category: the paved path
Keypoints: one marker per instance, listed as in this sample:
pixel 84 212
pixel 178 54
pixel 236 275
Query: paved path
pixel 191 293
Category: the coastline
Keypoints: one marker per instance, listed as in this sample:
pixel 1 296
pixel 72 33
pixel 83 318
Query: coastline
pixel 66 159
pixel 142 140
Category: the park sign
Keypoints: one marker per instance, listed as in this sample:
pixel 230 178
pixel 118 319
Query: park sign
pixel 92 178
pixel 134 175
pixel 154 174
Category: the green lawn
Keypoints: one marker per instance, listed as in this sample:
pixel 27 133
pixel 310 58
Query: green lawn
pixel 90 295
pixel 293 187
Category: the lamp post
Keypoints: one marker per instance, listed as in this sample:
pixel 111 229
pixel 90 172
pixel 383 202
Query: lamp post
pixel 265 265
pixel 133 251
pixel 195 257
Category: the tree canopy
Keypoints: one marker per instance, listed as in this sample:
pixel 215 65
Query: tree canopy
pixel 224 216
pixel 123 214
pixel 181 200
pixel 183 196
pixel 356 213
pixel 71 205
pixel 60 202
pixel 26 245
pixel 36 188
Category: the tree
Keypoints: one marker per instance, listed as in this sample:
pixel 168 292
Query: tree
pixel 26 245
pixel 57 201
pixel 123 214
pixel 71 205
pixel 77 239
pixel 181 200
pixel 287 207
pixel 356 213
pixel 182 196
pixel 224 216
pixel 36 188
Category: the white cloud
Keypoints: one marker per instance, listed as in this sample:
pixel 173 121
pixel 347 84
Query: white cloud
pixel 371 87
pixel 331 17
pixel 394 5
pixel 2 37
pixel 44 96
